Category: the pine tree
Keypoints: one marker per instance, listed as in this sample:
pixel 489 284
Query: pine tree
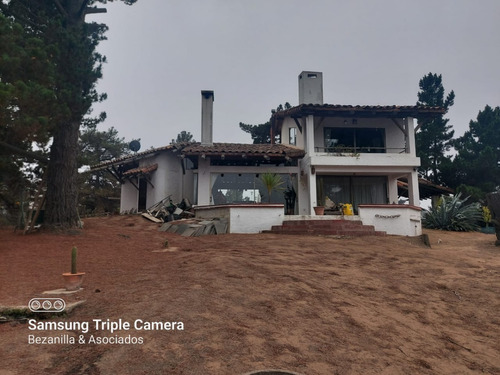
pixel 477 164
pixel 183 136
pixel 96 187
pixel 434 137
pixel 61 28
pixel 261 133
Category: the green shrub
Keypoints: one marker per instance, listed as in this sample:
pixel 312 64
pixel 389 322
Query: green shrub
pixel 453 214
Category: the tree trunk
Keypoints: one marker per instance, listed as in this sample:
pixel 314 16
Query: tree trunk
pixel 62 189
pixel 62 185
pixel 493 200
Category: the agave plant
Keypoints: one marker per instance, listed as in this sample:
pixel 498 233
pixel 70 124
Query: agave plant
pixel 453 214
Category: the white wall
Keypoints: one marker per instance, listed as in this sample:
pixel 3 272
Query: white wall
pixel 255 219
pixel 245 218
pixel 128 197
pixel 290 123
pixel 167 179
pixel 402 220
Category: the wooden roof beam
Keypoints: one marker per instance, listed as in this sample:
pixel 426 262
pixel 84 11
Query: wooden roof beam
pixel 401 127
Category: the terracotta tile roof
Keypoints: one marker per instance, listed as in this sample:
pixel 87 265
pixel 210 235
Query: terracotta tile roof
pixel 217 149
pixel 237 149
pixel 141 170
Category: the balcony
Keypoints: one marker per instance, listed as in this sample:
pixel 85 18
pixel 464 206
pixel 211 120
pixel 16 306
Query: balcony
pixel 354 151
pixel 363 158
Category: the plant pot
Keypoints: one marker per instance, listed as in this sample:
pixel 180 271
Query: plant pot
pixel 319 210
pixel 73 281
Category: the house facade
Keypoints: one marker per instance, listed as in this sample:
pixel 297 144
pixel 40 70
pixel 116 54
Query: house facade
pixel 206 172
pixel 353 154
pixel 329 155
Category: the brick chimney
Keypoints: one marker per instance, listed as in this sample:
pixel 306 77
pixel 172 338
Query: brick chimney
pixel 207 118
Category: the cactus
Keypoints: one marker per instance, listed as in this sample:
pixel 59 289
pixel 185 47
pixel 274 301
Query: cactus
pixel 74 255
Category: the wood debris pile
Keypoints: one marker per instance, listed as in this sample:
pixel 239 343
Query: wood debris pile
pixel 166 210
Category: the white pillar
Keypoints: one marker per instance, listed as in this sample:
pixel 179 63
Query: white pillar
pixel 310 134
pixel 204 184
pixel 413 193
pixel 312 192
pixel 410 128
pixel 303 189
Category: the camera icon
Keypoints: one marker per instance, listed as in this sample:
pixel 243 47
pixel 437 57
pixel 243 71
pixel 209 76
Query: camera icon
pixel 46 304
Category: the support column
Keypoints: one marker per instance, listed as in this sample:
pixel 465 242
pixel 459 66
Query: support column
pixel 312 192
pixel 410 128
pixel 204 183
pixel 310 135
pixel 303 189
pixel 413 193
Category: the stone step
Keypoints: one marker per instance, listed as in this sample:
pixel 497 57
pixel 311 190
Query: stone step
pixel 344 226
pixel 322 222
pixel 326 227
pixel 329 233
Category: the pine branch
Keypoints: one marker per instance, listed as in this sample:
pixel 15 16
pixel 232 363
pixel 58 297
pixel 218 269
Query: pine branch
pixel 26 153
pixel 61 8
pixel 94 11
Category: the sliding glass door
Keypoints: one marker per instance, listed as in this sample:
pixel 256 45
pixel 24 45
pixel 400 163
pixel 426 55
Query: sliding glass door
pixel 355 190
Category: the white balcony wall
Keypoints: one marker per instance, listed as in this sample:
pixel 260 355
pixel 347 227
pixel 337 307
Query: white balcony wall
pixel 389 160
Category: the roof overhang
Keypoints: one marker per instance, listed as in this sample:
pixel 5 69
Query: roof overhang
pixel 129 159
pixel 426 189
pixel 359 111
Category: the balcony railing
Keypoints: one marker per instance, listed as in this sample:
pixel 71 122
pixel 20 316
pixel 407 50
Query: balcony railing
pixel 353 151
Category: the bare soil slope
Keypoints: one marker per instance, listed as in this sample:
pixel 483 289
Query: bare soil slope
pixel 313 305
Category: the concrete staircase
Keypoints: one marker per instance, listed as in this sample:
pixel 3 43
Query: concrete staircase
pixel 351 228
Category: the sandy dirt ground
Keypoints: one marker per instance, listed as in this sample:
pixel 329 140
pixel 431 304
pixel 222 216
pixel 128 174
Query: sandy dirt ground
pixel 308 304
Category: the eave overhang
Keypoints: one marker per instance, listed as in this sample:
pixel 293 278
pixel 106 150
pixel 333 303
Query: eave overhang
pixel 358 111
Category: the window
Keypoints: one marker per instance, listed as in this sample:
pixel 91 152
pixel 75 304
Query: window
pixel 231 188
pixel 292 136
pixel 366 140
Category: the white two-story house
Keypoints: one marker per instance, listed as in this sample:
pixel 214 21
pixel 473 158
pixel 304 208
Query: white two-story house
pixel 329 155
pixel 353 154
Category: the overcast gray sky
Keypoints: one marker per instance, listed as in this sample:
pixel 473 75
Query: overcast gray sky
pixel 162 53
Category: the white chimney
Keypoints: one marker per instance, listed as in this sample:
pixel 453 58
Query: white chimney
pixel 207 117
pixel 311 88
